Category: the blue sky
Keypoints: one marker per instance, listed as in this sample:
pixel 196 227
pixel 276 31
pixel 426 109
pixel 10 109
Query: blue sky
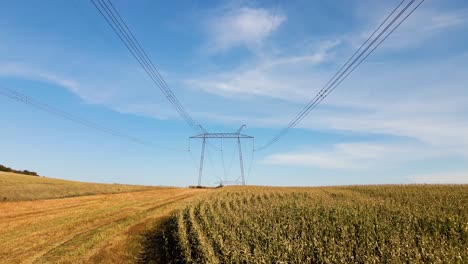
pixel 402 117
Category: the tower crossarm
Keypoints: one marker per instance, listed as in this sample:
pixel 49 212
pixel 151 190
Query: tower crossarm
pixel 221 135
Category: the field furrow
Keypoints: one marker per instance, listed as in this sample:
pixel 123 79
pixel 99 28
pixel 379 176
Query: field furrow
pixel 204 252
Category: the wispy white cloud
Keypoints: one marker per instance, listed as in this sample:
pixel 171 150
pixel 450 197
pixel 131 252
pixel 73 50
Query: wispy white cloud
pixel 458 177
pixel 242 26
pixel 353 156
pixel 27 72
pixel 151 110
pixel 321 160
pixel 437 129
pixel 448 19
pixel 87 92
pixel 424 101
pixel 428 22
pixel 287 77
pixel 103 95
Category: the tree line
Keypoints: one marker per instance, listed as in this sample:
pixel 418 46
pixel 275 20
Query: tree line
pixel 26 172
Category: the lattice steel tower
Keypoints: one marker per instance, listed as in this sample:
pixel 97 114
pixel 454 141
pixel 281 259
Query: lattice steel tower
pixel 236 135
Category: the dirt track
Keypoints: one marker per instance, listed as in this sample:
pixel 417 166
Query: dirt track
pixel 99 228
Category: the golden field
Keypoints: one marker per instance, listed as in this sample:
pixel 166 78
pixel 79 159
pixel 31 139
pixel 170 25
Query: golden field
pixel 103 228
pixel 366 224
pixel 354 224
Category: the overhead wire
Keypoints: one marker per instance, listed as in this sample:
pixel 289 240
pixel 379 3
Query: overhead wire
pixel 230 163
pixel 190 153
pixel 211 162
pixel 122 30
pixel 321 93
pixel 25 99
pixel 251 158
pixel 172 96
pixel 378 44
pixel 341 74
pixel 222 159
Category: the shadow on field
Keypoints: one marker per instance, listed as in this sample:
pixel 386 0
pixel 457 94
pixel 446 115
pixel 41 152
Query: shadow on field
pixel 160 243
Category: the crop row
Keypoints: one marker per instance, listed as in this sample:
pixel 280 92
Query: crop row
pixel 325 225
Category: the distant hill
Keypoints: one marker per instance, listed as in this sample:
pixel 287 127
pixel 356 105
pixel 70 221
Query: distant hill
pixel 25 172
pixel 17 187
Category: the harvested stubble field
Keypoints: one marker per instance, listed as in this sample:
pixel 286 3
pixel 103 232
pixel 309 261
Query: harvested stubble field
pixel 104 228
pixel 372 224
pixel 18 187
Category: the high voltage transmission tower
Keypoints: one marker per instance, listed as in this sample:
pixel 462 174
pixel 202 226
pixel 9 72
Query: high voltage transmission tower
pixel 236 135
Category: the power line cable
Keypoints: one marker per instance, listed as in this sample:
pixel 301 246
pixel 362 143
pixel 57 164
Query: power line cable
pixel 161 80
pixel 325 92
pixel 193 160
pixel 378 44
pixel 212 163
pixel 322 92
pixel 251 158
pixel 222 159
pixel 232 160
pixel 122 30
pixel 22 98
pixel 338 76
pixel 334 84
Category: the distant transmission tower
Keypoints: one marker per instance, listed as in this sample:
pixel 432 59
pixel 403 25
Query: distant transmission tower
pixel 236 135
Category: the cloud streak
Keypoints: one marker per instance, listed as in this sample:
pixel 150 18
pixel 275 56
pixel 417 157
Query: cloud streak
pixel 244 26
pixel 106 97
pixel 428 22
pixel 287 77
pixel 353 156
pixel 458 177
pixel 26 72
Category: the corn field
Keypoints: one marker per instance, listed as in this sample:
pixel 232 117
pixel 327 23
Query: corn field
pixel 371 224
